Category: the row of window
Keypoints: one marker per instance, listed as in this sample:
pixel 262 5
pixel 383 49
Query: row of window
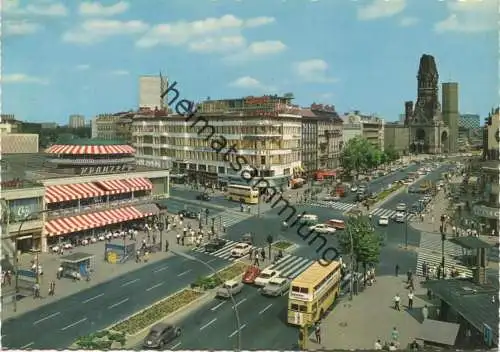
pixel 245 130
pixel 201 142
pixel 298 308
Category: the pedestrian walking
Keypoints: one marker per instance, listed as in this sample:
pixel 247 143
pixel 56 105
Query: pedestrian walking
pixel 396 269
pixel 410 299
pixel 397 300
pixel 256 260
pixel 52 288
pixel 36 290
pixel 183 238
pixel 178 238
pixel 317 333
pixel 425 312
pixel 395 334
pixel 409 276
pixel 263 254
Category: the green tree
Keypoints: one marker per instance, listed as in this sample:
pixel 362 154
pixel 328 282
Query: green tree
pixel 366 242
pixel 391 154
pixel 357 155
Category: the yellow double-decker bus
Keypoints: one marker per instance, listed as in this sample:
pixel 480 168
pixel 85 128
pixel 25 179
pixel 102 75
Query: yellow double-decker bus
pixel 245 194
pixel 313 292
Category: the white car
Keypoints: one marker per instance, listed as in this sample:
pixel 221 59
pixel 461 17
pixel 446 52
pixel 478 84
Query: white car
pixel 331 198
pixel 383 221
pixel 322 228
pixel 399 217
pixel 354 188
pixel 277 286
pixel 265 276
pixel 401 207
pixel 241 250
pixel 308 218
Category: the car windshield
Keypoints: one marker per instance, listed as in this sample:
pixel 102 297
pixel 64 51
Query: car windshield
pixel 241 246
pixel 266 275
pixel 227 286
pixel 273 284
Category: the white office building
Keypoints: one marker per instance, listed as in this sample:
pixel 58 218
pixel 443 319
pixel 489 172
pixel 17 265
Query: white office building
pixel 150 89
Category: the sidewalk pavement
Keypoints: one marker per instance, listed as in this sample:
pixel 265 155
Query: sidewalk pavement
pixel 357 324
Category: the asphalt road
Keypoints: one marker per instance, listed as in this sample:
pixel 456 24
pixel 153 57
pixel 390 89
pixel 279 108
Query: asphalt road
pixel 57 325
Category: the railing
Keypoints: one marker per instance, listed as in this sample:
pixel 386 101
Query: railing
pixel 51 214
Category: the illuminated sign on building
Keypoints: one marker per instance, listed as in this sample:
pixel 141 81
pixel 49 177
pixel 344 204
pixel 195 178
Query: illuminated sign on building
pixel 21 208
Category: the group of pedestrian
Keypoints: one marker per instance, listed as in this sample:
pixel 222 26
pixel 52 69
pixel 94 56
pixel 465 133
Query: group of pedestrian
pixel 51 292
pixel 256 255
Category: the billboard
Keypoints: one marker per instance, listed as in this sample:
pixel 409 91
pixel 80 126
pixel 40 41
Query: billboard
pixel 20 208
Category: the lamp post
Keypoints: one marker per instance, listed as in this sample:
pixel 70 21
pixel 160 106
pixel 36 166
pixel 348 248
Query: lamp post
pixel 406 229
pixel 351 264
pixel 443 238
pixel 160 228
pixel 231 297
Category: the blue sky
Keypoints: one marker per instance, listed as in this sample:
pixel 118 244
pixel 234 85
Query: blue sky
pixel 67 57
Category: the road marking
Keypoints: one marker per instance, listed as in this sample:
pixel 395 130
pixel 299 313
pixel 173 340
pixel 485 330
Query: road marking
pixel 118 303
pixel 160 269
pixel 263 310
pixel 211 260
pixel 185 272
pixel 73 324
pixel 154 286
pixel 28 345
pixel 129 282
pixel 92 298
pixel 236 331
pixel 240 302
pixel 208 324
pixel 217 306
pixel 47 317
pixel 175 346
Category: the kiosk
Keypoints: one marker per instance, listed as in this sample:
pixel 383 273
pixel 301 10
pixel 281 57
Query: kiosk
pixel 117 253
pixel 77 265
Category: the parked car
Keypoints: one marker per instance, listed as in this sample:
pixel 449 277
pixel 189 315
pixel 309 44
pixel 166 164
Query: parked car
pixel 383 220
pixel 215 244
pixel 189 214
pixel 229 288
pixel 277 286
pixel 251 274
pixel 322 228
pixel 241 250
pixel 203 196
pixel 401 207
pixel 160 335
pixel 264 277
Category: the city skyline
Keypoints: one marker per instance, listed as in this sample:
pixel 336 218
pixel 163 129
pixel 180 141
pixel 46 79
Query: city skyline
pixel 227 49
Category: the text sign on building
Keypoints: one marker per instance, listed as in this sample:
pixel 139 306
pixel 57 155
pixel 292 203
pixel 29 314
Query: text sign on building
pixel 21 208
pixel 96 170
pixel 486 212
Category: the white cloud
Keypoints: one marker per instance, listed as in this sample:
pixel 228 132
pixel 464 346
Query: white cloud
pixel 408 21
pixel 20 27
pixel 256 50
pixel 181 33
pixel 20 78
pixel 82 67
pixel 217 44
pixel 326 96
pixel 251 83
pixel 93 31
pixel 13 7
pixel 469 16
pixel 120 73
pixel 380 9
pixel 98 9
pixel 314 70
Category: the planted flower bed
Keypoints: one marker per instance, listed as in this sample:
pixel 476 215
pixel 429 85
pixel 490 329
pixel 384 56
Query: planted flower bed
pixel 101 340
pixel 282 245
pixel 384 194
pixel 209 282
pixel 160 310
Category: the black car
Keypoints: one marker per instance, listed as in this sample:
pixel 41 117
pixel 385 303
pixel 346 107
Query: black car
pixel 203 196
pixel 161 334
pixel 190 214
pixel 214 245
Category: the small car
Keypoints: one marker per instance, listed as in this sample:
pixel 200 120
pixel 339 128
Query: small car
pixel 251 274
pixel 322 228
pixel 308 219
pixel 214 245
pixel 247 238
pixel 331 198
pixel 241 250
pixel 190 214
pixel 277 286
pixel 401 207
pixel 264 277
pixel 354 188
pixel 383 220
pixel 203 196
pixel 399 217
pixel 161 334
pixel 229 288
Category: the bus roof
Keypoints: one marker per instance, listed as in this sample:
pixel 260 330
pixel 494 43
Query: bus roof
pixel 314 274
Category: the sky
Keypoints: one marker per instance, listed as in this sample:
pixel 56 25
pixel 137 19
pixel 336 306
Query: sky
pixel 77 57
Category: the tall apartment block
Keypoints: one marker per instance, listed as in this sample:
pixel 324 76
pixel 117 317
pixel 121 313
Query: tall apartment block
pixel 450 112
pixel 150 90
pixel 76 121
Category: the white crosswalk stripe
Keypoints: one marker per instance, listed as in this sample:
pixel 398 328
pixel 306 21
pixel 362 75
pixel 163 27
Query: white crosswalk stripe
pixel 430 252
pixel 230 218
pixel 390 213
pixel 291 266
pixel 223 253
pixel 332 204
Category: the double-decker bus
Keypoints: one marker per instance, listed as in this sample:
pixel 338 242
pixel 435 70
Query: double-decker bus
pixel 244 194
pixel 313 292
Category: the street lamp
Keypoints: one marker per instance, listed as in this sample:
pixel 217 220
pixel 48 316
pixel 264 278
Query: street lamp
pixel 231 297
pixel 160 228
pixel 351 264
pixel 406 229
pixel 443 238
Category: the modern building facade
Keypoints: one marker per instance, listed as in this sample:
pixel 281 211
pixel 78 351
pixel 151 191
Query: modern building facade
pixel 367 126
pixel 113 126
pixel 150 91
pixel 76 121
pixel 322 138
pixel 451 114
pixel 265 131
pixel 18 143
pixel 469 121
pixel 396 137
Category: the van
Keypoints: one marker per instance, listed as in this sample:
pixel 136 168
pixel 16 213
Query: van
pixel 336 224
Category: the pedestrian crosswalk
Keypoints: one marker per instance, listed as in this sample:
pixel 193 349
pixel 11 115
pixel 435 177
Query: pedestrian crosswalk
pixel 430 252
pixel 230 218
pixel 291 266
pixel 390 213
pixel 223 253
pixel 332 204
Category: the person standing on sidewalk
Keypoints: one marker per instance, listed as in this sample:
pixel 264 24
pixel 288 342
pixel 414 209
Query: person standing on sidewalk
pixel 317 332
pixel 395 335
pixel 397 300
pixel 410 299
pixel 52 288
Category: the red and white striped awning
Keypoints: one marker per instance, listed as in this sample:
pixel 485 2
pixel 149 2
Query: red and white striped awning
pixel 115 186
pixel 83 222
pixel 139 183
pixel 61 193
pixel 90 149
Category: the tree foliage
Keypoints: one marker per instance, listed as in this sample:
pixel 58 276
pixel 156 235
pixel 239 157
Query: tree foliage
pixel 366 242
pixel 49 136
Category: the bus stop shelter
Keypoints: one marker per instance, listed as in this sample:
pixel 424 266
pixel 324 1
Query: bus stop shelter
pixel 77 264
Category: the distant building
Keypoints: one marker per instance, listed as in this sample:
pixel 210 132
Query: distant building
pixel 369 127
pixel 150 90
pixel 49 125
pixel 76 121
pixel 469 121
pixel 491 140
pixel 397 137
pixel 113 126
pixel 18 143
